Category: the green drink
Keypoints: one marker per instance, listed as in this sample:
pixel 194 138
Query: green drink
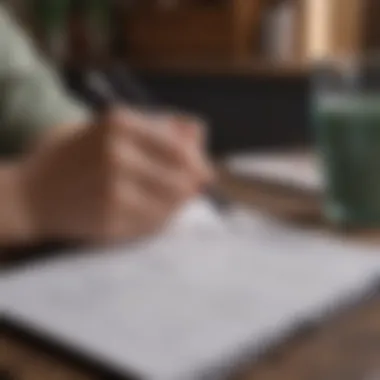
pixel 348 134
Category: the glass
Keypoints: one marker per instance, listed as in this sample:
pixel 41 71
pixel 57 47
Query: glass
pixel 346 115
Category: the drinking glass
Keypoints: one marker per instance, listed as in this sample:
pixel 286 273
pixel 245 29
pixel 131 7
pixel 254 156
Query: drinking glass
pixel 346 117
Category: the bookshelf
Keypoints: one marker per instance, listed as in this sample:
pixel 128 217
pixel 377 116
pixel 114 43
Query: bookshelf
pixel 262 36
pixel 222 30
pixel 235 33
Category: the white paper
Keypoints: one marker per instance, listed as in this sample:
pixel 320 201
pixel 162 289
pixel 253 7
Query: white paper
pixel 285 169
pixel 181 305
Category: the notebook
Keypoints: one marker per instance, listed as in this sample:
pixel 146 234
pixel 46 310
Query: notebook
pixel 195 302
pixel 300 171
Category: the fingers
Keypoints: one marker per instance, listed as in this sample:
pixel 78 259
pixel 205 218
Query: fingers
pixel 160 140
pixel 152 166
pixel 133 213
pixel 169 183
pixel 191 128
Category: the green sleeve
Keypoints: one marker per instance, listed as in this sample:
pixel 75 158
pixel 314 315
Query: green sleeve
pixel 31 95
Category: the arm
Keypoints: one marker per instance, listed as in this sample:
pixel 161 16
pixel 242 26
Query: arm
pixel 32 99
pixel 33 107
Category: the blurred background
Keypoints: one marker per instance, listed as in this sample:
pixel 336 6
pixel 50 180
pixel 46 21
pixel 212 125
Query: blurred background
pixel 245 65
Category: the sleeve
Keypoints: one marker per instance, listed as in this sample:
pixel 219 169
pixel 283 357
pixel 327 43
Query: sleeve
pixel 31 95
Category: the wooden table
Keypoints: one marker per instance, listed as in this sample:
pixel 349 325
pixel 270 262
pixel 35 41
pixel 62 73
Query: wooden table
pixel 347 347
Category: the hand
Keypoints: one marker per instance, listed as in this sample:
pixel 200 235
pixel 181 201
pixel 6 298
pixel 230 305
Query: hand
pixel 122 178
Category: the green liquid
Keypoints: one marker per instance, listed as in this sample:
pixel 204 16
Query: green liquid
pixel 348 132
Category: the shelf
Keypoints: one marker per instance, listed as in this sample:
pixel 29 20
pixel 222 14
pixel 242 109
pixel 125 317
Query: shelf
pixel 205 32
pixel 252 67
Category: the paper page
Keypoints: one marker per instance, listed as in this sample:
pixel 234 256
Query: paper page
pixel 198 214
pixel 186 304
pixel 285 169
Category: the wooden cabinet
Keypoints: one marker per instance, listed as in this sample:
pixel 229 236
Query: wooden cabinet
pixel 193 31
pixel 233 32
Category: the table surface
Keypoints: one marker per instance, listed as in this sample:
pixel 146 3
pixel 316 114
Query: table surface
pixel 347 347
